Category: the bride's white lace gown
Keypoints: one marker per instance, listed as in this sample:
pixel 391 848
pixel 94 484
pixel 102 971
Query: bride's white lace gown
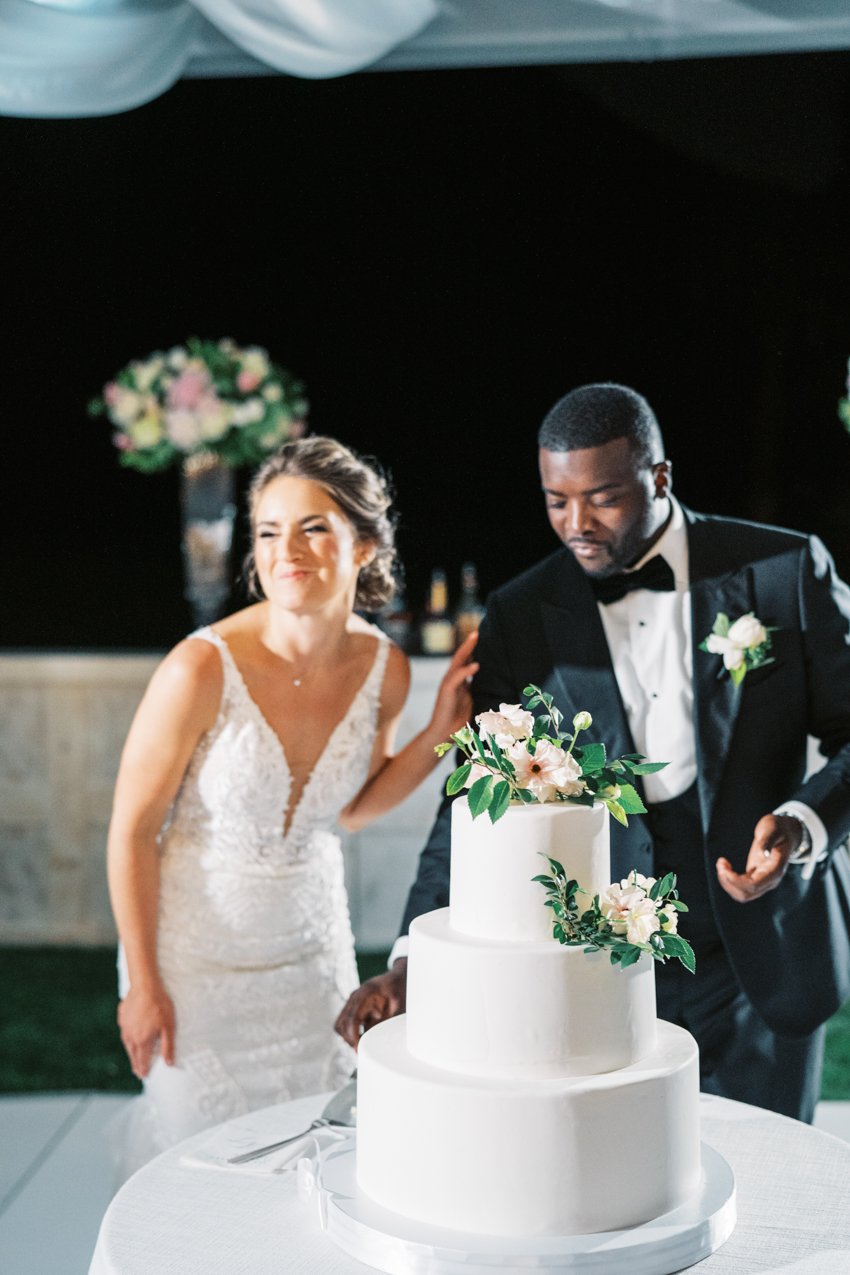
pixel 254 940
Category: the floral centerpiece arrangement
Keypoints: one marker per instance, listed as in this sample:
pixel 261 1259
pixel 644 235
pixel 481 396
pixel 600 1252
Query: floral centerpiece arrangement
pixel 212 398
pixel 515 756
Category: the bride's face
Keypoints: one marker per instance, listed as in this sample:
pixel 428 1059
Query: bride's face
pixel 305 548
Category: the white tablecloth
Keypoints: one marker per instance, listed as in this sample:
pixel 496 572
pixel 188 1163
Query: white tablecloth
pixel 178 1218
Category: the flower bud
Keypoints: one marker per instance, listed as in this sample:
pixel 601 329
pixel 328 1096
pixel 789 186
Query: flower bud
pixel 582 721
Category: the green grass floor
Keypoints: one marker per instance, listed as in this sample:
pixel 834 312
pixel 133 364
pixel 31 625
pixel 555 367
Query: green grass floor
pixel 58 1032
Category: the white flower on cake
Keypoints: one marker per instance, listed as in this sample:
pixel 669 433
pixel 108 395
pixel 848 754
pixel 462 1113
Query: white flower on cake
pixel 547 771
pixel 744 644
pixel 511 723
pixel 638 914
pixel 517 757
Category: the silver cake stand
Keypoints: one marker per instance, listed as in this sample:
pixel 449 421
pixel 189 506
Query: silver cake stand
pixel 400 1246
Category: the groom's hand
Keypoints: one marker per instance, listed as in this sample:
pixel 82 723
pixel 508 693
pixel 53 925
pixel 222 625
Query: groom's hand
pixel 775 839
pixel 378 998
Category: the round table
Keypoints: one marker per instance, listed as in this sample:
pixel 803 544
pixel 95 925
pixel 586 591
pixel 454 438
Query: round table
pixel 178 1216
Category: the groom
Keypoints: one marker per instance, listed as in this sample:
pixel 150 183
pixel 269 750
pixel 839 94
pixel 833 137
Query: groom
pixel 612 622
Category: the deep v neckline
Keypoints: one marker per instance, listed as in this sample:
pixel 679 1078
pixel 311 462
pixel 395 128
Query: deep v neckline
pixel 266 724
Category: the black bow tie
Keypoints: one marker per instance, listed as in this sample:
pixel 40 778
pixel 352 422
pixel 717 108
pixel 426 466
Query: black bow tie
pixel 655 574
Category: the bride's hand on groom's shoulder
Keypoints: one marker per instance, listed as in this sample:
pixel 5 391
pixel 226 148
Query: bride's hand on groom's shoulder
pixel 453 704
pixel 378 998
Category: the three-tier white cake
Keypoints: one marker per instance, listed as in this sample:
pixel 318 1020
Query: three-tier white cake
pixel 530 1088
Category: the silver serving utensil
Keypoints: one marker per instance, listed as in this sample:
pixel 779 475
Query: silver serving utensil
pixel 339 1112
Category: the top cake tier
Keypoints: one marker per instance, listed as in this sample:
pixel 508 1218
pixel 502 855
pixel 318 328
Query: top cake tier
pixel 493 894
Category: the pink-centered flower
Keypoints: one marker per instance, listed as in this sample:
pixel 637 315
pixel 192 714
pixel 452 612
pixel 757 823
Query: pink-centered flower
pixel 547 771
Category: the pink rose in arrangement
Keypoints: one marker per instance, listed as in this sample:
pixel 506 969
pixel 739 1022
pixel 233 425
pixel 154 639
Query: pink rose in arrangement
pixel 188 389
pixel 248 380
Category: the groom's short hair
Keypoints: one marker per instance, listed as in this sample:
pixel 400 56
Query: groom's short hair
pixel 596 414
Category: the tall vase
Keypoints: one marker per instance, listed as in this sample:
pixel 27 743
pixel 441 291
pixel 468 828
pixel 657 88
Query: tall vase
pixel 208 513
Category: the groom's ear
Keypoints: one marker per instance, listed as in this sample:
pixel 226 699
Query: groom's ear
pixel 662 473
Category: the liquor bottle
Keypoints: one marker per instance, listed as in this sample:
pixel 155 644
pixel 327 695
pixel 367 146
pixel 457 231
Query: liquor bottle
pixel 396 621
pixel 469 610
pixel 437 633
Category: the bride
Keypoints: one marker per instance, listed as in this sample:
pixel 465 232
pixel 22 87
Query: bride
pixel 255 736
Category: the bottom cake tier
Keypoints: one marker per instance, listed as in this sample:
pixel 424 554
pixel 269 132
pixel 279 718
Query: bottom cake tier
pixel 566 1156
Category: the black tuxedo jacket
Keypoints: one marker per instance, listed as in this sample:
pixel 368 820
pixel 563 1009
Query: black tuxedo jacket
pixel 790 949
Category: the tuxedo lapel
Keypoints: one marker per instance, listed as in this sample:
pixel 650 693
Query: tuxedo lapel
pixel 716 698
pixel 582 668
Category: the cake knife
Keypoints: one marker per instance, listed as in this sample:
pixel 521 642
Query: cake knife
pixel 339 1111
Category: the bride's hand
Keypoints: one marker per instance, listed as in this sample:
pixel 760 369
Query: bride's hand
pixel 454 702
pixel 146 1018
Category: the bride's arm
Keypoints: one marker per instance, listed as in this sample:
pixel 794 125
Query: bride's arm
pixel 178 706
pixel 394 777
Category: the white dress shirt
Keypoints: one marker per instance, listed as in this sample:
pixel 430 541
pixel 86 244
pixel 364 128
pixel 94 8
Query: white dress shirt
pixel 649 638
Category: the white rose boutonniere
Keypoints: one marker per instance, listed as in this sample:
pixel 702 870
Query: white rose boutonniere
pixel 744 644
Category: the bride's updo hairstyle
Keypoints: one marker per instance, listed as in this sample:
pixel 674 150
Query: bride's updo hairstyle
pixel 362 493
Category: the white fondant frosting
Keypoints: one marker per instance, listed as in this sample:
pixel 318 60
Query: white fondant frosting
pixel 492 891
pixel 545 1157
pixel 491 1008
pixel 530 1089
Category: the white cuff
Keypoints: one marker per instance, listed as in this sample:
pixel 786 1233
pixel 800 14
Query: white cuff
pixel 808 858
pixel 400 948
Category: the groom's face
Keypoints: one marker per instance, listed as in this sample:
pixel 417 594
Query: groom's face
pixel 604 503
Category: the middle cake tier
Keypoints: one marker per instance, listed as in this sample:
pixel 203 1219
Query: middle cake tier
pixel 494 1008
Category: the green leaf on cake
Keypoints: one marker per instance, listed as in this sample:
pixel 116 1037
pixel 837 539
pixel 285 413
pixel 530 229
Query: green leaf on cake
pixel 617 811
pixel 480 795
pixel 629 799
pixel 458 778
pixel 593 758
pixel 644 767
pixel 501 800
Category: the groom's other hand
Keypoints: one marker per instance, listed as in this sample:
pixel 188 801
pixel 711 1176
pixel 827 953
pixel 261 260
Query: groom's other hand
pixel 378 998
pixel 775 840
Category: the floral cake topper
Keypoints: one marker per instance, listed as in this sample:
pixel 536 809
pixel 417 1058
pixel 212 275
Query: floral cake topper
pixel 517 756
pixel 744 644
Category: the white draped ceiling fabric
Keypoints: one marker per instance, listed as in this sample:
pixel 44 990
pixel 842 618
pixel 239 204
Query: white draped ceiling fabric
pixel 97 57
pixel 72 58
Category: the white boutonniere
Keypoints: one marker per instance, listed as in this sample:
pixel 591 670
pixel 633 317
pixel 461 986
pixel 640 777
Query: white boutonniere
pixel 744 644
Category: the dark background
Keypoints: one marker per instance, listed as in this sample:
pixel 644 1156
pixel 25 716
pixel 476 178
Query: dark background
pixel 439 256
